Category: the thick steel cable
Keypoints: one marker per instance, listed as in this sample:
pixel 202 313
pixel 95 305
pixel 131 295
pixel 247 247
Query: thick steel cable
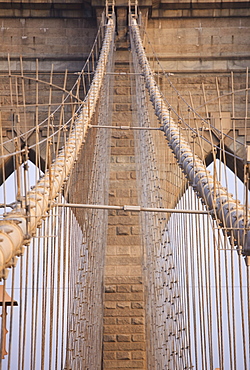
pixel 13 233
pixel 167 337
pixel 195 111
pixel 210 271
pixel 225 207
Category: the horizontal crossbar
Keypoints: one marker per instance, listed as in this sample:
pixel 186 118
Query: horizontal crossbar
pixel 127 127
pixel 132 208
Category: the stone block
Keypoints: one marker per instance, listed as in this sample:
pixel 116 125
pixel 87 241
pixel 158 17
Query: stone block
pixel 135 250
pixel 123 213
pixel 138 355
pixel 122 151
pixel 121 99
pixel 112 193
pixel 120 185
pixel 122 159
pixel 122 175
pixel 122 90
pixel 123 250
pixel 123 305
pixel 111 250
pixel 123 193
pixel 122 117
pixel 123 143
pixel 137 305
pixel 125 346
pixel 111 230
pixel 110 270
pixel 123 321
pixel 124 288
pixel 137 321
pixel 138 337
pixel 129 240
pixel 123 312
pixel 123 261
pixel 123 355
pixel 122 107
pixel 132 364
pixel 129 329
pixel 120 134
pixel 124 219
pixel 110 289
pixel 123 338
pixel 122 230
pixel 137 288
pixel 109 320
pixel 135 230
pixel 109 305
pixel 109 337
pixel 136 270
pixel 133 175
pixel 123 280
pixel 123 270
pixel 108 355
pixel 112 176
pixel 124 296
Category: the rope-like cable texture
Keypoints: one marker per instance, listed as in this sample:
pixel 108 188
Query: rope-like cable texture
pixel 223 206
pixel 13 231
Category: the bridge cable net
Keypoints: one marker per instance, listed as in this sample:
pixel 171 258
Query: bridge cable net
pixel 57 283
pixel 196 281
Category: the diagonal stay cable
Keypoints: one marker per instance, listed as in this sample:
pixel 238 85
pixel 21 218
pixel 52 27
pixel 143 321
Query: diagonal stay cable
pixel 13 234
pixel 225 208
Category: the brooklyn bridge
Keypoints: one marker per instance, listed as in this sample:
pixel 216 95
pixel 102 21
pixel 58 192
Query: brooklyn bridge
pixel 124 173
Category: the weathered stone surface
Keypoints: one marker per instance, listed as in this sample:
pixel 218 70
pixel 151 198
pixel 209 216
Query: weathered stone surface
pixel 123 230
pixel 123 355
pixel 109 338
pixel 120 240
pixel 124 296
pixel 123 338
pixel 138 337
pixel 123 262
pixel 137 305
pixel 138 355
pixel 108 355
pixel 123 321
pixel 110 289
pixel 123 280
pixel 128 329
pixel 110 305
pixel 124 288
pixel 109 320
pixel 137 288
pixel 123 312
pixel 125 345
pixel 137 321
pixel 132 364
